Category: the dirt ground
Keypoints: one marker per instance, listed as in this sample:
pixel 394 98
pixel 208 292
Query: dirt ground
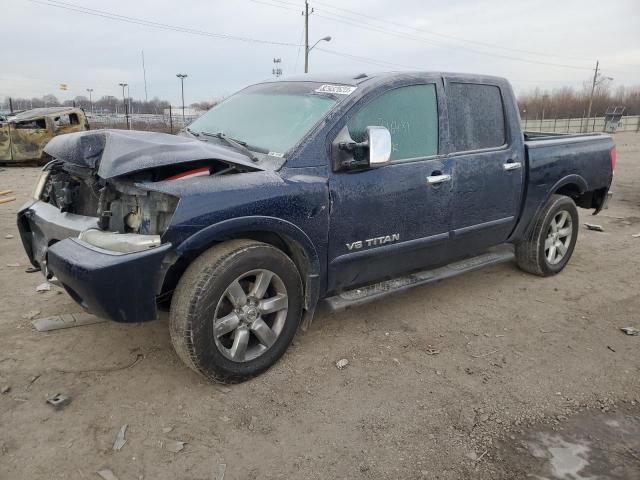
pixel 446 381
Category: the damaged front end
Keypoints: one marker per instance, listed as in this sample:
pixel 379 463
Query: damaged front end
pixel 119 215
pixel 100 239
pixel 96 223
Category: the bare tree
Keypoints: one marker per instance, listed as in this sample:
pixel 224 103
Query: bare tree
pixel 567 102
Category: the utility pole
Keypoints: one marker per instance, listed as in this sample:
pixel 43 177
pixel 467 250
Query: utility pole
pixel 182 76
pixel 124 100
pixel 306 36
pixel 593 89
pixel 596 81
pixel 144 76
pixel 90 99
pixel 307 48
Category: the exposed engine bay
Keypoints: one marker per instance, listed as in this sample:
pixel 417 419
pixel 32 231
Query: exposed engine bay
pixel 123 204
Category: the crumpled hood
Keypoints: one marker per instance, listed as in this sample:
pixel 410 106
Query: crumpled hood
pixel 119 152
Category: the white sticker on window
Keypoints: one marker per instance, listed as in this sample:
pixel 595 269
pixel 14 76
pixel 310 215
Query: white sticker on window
pixel 276 154
pixel 337 89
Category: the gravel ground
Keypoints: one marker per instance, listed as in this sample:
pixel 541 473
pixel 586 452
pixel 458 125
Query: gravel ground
pixel 440 381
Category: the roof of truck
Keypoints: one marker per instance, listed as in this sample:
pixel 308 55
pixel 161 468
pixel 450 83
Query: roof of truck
pixel 360 77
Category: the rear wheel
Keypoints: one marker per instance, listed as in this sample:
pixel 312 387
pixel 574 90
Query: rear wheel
pixel 236 310
pixel 553 239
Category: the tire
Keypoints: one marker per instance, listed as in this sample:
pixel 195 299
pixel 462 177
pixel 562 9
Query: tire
pixel 208 292
pixel 542 254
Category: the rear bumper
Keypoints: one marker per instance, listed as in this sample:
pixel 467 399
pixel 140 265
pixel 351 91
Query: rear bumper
pixel 604 202
pixel 118 286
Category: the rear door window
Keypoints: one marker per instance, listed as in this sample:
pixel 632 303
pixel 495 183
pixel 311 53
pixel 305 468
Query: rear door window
pixel 62 121
pixel 476 116
pixel 410 114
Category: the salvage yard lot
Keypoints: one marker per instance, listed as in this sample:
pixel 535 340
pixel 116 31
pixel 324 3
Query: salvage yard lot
pixel 442 381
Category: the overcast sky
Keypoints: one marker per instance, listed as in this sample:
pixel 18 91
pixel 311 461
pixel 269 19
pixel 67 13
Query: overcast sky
pixel 44 45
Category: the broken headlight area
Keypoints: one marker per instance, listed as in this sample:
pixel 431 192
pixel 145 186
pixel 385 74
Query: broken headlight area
pixel 121 205
pixel 119 242
pixel 130 214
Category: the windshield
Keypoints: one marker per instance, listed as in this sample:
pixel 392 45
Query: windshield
pixel 269 118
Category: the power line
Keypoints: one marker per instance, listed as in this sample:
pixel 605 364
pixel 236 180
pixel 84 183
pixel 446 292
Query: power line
pixel 385 30
pixel 431 42
pixel 360 15
pixel 295 68
pixel 149 23
pixel 297 9
pixel 372 61
pixel 286 5
pixel 367 26
pixel 382 63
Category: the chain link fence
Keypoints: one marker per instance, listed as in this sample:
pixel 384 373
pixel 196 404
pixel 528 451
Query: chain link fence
pixel 140 121
pixel 629 123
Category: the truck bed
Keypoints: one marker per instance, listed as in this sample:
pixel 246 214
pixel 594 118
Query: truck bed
pixel 536 136
pixel 577 165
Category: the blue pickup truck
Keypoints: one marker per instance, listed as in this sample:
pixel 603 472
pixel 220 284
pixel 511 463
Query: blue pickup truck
pixel 303 192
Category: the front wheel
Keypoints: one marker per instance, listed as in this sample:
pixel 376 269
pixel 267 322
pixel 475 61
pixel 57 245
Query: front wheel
pixel 553 239
pixel 236 310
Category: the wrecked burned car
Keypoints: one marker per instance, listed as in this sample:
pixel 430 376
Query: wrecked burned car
pixel 23 135
pixel 300 190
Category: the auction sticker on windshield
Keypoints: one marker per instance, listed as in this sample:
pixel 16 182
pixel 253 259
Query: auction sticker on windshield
pixel 336 89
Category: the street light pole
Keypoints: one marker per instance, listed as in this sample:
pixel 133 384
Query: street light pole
pixel 306 64
pixel 90 99
pixel 126 109
pixel 306 36
pixel 182 76
pixel 129 100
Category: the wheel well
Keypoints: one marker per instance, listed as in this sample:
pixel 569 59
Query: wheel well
pixel 588 199
pixel 569 190
pixel 290 247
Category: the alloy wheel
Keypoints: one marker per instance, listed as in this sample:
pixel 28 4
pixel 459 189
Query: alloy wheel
pixel 558 240
pixel 250 315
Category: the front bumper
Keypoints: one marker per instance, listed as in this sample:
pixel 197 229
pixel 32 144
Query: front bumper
pixel 41 225
pixel 118 286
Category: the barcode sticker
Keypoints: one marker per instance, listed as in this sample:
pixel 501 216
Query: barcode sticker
pixel 337 89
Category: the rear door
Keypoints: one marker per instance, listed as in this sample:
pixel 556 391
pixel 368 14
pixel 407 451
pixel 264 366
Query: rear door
pixel 487 170
pixel 389 220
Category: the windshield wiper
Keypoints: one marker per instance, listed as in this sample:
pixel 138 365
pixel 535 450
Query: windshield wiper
pixel 237 144
pixel 192 132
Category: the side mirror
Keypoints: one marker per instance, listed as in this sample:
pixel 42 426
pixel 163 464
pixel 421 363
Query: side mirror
pixel 379 140
pixel 374 151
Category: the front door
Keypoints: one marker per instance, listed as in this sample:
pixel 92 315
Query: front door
pixel 390 220
pixel 5 142
pixel 487 170
pixel 28 138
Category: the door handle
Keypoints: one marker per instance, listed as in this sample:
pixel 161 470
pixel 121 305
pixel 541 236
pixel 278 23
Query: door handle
pixel 438 179
pixel 511 166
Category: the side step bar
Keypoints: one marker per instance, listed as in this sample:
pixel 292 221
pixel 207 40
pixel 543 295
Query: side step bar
pixel 359 296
